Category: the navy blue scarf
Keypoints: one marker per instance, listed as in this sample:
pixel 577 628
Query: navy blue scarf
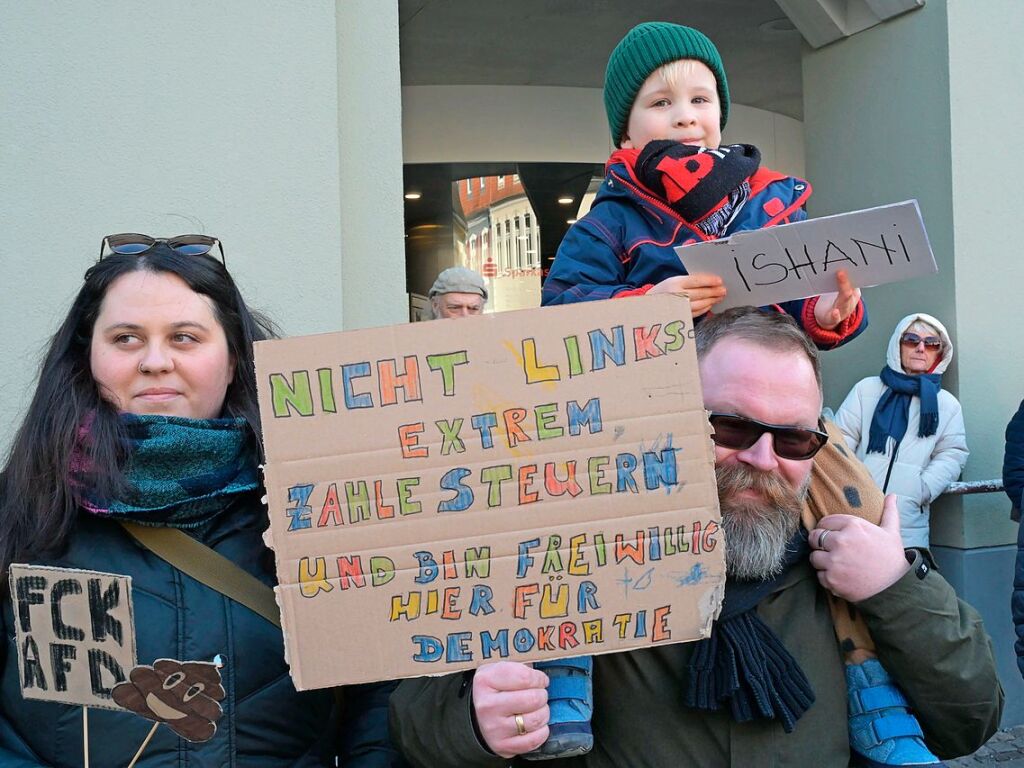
pixel 890 419
pixel 743 665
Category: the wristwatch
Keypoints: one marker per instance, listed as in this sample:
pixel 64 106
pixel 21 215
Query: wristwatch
pixel 918 562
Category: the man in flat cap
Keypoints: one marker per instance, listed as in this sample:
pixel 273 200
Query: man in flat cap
pixel 457 292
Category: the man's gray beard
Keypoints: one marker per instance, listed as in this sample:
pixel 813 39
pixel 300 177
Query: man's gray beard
pixel 757 530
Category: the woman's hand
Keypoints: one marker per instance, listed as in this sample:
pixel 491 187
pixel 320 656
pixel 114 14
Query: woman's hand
pixel 833 308
pixel 703 289
pixel 511 705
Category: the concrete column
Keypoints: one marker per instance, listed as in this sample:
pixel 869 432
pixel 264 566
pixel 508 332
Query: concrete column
pixel 167 118
pixel 370 162
pixel 928 106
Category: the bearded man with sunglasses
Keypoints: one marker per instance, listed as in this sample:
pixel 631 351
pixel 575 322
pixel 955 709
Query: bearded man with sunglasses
pixel 768 688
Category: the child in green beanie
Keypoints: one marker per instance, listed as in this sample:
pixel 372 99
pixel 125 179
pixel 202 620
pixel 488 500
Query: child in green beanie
pixel 671 183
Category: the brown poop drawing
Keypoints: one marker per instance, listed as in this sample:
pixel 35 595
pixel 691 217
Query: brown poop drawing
pixel 183 695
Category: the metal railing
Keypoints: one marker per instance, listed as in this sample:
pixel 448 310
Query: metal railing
pixel 974 486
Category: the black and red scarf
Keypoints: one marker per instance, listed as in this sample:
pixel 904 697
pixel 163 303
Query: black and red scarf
pixel 704 186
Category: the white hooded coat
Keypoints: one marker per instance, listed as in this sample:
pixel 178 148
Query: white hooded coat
pixel 922 467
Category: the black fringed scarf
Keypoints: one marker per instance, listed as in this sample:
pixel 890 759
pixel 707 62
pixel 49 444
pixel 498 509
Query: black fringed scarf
pixel 743 665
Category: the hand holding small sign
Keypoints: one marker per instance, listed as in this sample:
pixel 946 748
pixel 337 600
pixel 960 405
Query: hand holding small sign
pixel 184 695
pixel 833 308
pixel 76 636
pixel 703 289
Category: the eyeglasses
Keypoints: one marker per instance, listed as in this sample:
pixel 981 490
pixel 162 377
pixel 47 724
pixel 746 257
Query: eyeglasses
pixel 134 244
pixel 739 433
pixel 909 339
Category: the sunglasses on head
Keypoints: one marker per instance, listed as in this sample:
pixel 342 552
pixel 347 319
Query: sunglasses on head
pixel 740 433
pixel 134 244
pixel 909 339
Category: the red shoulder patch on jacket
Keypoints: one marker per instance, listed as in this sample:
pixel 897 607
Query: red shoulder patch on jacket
pixel 773 206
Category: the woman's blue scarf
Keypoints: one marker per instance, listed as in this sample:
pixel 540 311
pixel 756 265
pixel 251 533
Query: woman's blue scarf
pixel 181 471
pixel 890 419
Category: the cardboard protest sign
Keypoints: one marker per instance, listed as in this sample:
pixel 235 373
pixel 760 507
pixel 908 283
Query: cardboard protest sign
pixel 518 486
pixel 793 261
pixel 75 633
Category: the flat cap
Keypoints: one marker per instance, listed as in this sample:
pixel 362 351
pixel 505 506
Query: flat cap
pixel 458 280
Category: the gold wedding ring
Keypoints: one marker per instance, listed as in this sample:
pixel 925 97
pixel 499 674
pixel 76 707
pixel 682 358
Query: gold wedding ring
pixel 520 725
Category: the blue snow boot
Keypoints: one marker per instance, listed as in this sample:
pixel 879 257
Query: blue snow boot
pixel 571 703
pixel 883 732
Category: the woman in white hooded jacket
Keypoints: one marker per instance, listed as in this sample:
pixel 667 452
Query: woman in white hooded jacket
pixel 905 427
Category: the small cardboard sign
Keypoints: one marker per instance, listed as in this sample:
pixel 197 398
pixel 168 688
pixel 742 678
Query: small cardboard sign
pixel 185 695
pixel 516 486
pixel 74 631
pixel 793 261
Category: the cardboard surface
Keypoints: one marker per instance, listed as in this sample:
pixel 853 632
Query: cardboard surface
pixel 793 261
pixel 75 633
pixel 539 484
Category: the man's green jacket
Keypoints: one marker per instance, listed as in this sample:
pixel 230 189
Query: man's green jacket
pixel 933 644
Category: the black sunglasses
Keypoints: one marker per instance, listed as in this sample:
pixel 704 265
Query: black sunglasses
pixel 134 244
pixel 912 340
pixel 739 433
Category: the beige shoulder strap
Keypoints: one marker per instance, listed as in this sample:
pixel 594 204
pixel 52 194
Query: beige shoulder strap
pixel 203 564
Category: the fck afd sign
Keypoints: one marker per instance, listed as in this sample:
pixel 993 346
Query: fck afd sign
pixel 74 631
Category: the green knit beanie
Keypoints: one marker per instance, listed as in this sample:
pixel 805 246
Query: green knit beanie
pixel 645 48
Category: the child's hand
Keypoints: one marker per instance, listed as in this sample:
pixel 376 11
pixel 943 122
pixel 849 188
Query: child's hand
pixel 703 289
pixel 833 308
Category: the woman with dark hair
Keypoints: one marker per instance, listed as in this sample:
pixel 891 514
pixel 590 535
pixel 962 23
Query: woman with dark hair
pixel 145 417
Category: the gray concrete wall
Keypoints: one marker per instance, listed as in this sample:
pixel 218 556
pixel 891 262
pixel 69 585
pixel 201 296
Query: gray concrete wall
pixel 986 63
pixel 928 106
pixel 984 578
pixel 902 110
pixel 224 118
pixel 876 131
pixel 370 177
